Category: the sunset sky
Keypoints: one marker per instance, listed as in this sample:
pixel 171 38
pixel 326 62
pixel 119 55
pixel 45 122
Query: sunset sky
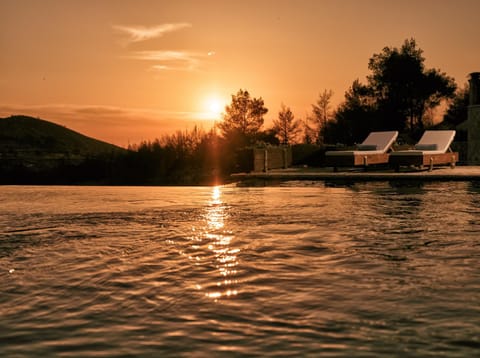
pixel 124 71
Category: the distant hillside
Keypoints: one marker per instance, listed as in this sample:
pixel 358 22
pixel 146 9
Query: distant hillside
pixel 35 151
pixel 22 134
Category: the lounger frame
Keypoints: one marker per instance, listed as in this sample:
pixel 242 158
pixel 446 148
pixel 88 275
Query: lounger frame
pixel 440 155
pixel 366 157
pixel 422 160
pixel 355 158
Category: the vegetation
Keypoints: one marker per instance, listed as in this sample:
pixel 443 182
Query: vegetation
pixel 35 151
pixel 321 114
pixel 286 127
pixel 400 94
pixel 458 109
pixel 243 119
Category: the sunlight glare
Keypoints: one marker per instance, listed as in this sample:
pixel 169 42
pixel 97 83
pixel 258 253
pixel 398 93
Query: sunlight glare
pixel 220 244
pixel 216 192
pixel 215 107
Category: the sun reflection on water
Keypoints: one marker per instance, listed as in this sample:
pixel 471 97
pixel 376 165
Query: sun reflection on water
pixel 220 239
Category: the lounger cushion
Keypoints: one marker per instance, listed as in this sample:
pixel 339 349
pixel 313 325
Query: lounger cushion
pixel 442 138
pixel 426 147
pixel 367 147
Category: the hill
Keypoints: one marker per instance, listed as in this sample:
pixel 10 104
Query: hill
pixel 27 135
pixel 35 151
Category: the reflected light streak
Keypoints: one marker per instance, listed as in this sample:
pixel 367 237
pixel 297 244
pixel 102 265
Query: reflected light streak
pixel 225 256
pixel 216 193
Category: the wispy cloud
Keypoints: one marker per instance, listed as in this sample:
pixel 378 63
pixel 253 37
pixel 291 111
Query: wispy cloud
pixel 165 60
pixel 171 60
pixel 142 33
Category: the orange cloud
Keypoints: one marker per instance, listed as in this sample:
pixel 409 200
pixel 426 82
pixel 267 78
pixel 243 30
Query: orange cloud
pixel 168 60
pixel 142 33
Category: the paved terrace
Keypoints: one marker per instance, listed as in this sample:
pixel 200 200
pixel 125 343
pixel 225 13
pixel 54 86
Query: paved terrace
pixel 459 173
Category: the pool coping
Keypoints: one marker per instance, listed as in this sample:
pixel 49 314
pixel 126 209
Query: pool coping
pixel 459 173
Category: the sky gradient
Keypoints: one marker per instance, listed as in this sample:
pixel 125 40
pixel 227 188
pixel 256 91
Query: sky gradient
pixel 125 71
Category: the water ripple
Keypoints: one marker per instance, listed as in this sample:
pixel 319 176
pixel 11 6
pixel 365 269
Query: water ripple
pixel 360 270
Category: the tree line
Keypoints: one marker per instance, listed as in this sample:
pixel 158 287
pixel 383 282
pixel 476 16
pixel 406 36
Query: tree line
pixel 400 93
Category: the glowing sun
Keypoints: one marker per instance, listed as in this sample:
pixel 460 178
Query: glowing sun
pixel 215 107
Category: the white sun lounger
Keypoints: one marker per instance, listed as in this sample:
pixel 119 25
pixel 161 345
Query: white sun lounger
pixel 432 149
pixel 373 150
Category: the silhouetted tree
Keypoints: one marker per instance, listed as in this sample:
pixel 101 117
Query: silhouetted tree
pixel 309 136
pixel 243 118
pixel 354 118
pixel 404 89
pixel 321 112
pixel 401 94
pixel 286 127
pixel 457 111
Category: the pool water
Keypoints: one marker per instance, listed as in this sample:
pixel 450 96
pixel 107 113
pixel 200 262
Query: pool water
pixel 295 269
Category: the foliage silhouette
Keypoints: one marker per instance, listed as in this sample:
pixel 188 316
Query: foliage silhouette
pixel 398 94
pixel 403 86
pixel 286 127
pixel 457 112
pixel 321 113
pixel 243 119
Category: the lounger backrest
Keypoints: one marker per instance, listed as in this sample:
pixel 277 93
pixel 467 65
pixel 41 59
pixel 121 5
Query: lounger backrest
pixel 436 140
pixel 381 140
